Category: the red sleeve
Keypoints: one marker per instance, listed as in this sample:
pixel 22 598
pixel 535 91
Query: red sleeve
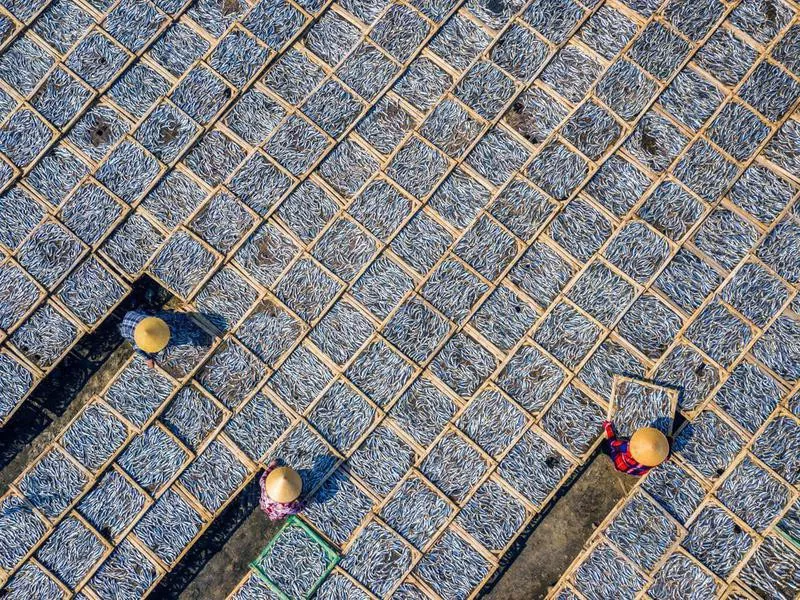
pixel 609 428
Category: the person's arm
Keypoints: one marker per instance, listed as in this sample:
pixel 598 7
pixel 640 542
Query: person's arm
pixel 609 429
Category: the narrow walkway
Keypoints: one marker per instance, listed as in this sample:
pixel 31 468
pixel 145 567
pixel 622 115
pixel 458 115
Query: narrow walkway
pixel 559 537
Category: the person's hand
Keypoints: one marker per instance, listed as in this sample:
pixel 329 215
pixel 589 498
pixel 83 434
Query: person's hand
pixel 273 463
pixel 150 362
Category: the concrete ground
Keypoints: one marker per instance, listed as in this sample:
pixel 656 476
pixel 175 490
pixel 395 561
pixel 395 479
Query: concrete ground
pixel 559 537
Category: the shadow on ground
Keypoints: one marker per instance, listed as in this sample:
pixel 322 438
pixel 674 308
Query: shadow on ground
pixel 553 543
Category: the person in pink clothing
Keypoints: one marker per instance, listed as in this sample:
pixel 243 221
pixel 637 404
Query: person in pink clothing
pixel 280 492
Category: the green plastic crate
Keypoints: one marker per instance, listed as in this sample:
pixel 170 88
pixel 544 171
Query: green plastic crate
pixel 294 527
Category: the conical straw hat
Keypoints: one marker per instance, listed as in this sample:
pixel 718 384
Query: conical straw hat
pixel 283 484
pixel 649 447
pixel 151 334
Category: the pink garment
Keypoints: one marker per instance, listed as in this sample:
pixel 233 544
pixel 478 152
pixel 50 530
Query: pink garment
pixel 277 510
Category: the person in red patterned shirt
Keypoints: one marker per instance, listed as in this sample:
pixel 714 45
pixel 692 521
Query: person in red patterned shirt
pixel 280 492
pixel 647 448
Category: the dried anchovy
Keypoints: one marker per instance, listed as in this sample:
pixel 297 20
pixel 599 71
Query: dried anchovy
pixel 379 372
pixel 463 364
pixel 416 330
pixel 128 171
pixel 755 495
pixel 296 562
pixel 24 65
pixel 602 293
pixel 761 192
pixel 269 331
pixel 779 447
pixel 487 248
pixel 253 588
pixel 52 484
pixel 719 333
pixel 333 108
pixel 305 451
pixel 266 253
pixel 94 437
pixel 571 73
pixel 342 416
pixel 416 511
pixel 382 286
pixel 453 568
pixel 381 460
pixel 708 444
pixel 377 558
pixel 534 468
pixel 567 335
pixel 192 416
pixel 592 130
pixel 580 229
pixel 541 273
pixel 386 124
pixel 717 541
pixel 423 411
pixel 608 360
pixel 779 348
pixel 772 570
pixel 49 253
pixel 638 405
pixel 307 210
pixel 679 578
pixel 17 295
pixel 338 507
pixel 23 137
pixel 132 244
pixel 779 249
pixel 174 199
pixel 231 374
pixel 257 425
pixel 504 318
pixel 238 57
pixel 458 42
pixel 496 157
pixel 422 83
pixel 91 291
pixel 638 251
pixel 20 214
pixel 530 378
pixel 152 459
pixel 454 466
pixel 603 573
pixel 300 379
pixel 491 421
pixel 492 516
pixel 127 572
pixel 642 531
pixel 201 94
pixel 453 289
pixel 675 490
pixel 749 396
pixel 650 325
pixel 332 38
pixel 705 171
pixel 45 336
pixel 687 280
pixel 417 167
pixel 574 420
pixel 222 222
pixel 254 116
pixel 485 89
pixel 112 505
pixel 225 298
pixel 684 368
pixel 90 212
pixel 188 345
pixel 259 183
pixel 138 391
pixel 32 582
pixel 214 476
pixel 519 52
pixel 56 174
pixel 345 249
pixel 341 332
pixel 20 530
pixel 307 289
pixel 214 157
pixel 182 263
pixel 71 551
pixel 725 237
pixel 169 526
pixel 338 587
